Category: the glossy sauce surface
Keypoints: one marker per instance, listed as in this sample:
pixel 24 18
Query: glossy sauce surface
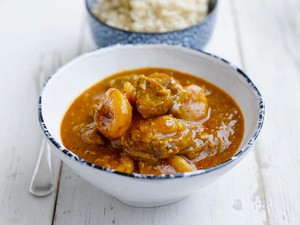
pixel 179 141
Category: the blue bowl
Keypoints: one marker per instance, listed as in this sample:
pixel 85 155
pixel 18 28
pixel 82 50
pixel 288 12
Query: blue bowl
pixel 195 36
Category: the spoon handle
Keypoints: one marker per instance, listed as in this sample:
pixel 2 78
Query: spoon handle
pixel 42 179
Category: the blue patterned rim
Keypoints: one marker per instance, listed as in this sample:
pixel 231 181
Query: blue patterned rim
pixel 212 8
pixel 244 149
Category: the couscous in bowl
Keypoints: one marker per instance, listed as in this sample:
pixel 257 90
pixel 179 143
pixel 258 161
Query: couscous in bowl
pixel 195 36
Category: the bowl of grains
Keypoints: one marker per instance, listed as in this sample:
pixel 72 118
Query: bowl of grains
pixel 189 23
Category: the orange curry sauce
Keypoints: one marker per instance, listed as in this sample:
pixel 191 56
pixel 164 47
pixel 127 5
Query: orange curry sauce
pixel 222 132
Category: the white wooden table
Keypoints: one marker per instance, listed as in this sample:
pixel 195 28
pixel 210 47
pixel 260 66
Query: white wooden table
pixel 260 36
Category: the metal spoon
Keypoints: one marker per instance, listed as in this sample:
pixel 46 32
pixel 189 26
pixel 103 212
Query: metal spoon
pixel 42 179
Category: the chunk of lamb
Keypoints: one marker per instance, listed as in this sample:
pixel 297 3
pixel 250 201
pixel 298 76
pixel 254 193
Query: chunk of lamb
pixel 157 138
pixel 152 98
pixel 89 133
pixel 168 82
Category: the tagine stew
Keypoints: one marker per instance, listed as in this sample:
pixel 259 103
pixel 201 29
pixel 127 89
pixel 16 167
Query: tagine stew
pixel 153 121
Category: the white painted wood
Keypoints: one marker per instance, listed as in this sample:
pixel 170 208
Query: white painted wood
pixel 270 40
pixel 237 198
pixel 35 37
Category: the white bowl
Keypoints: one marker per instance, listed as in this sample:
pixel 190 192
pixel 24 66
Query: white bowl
pixel 136 189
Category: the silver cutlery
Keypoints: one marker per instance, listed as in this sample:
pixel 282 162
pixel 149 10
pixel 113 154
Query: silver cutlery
pixel 42 179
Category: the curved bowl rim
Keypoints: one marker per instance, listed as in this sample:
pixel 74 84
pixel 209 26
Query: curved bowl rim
pixel 209 15
pixel 243 149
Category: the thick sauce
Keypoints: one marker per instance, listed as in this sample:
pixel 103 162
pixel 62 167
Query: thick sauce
pixel 196 142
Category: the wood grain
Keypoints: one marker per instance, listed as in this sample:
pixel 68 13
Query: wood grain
pixel 36 37
pixel 269 36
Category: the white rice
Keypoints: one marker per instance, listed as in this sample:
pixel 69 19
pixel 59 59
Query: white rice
pixel 151 15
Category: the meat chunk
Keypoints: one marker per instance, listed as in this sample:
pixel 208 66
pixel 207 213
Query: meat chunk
pixel 89 133
pixel 157 138
pixel 167 81
pixel 152 98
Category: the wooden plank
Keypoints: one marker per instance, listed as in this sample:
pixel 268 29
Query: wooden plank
pixel 36 37
pixel 269 36
pixel 20 144
pixel 236 198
